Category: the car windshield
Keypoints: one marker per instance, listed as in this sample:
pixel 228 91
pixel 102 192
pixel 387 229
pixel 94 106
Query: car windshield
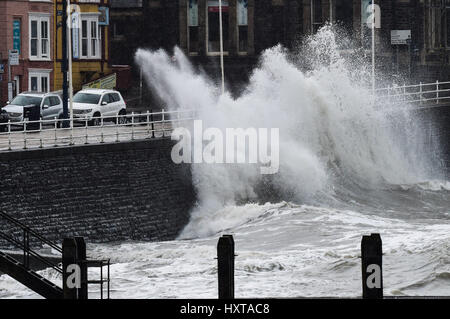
pixel 23 100
pixel 87 98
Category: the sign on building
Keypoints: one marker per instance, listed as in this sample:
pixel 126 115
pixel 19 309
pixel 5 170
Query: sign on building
pixel 108 83
pixel 16 35
pixel 13 57
pixel 103 19
pixel 400 37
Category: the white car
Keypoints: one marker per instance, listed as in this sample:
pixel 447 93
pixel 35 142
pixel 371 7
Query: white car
pixel 91 104
pixel 50 104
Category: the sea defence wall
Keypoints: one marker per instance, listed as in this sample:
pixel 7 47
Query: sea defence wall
pixel 436 121
pixel 121 191
pixel 103 192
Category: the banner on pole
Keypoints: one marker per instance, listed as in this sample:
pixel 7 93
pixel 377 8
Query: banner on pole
pixel 242 12
pixel 193 13
pixel 75 25
pixel 16 35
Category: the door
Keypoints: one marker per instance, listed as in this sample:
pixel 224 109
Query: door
pixel 16 85
pixel 106 109
pixel 46 109
pixel 115 103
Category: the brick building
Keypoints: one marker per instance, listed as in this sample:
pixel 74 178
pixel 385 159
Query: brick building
pixel 250 26
pixel 26 26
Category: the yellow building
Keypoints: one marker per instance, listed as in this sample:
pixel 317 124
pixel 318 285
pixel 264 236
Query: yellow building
pixel 90 42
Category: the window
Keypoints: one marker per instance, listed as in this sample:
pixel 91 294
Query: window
pixel 447 23
pixel 193 26
pixel 87 98
pixel 39 38
pixel 39 81
pixel 90 38
pixel 106 98
pixel 344 14
pixel 242 20
pixel 213 26
pixel 316 15
pixel 119 29
pixel 115 97
pixel 54 101
pixel 47 101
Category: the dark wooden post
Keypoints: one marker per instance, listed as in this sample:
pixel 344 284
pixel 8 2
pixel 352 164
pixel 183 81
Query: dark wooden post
pixel 81 259
pixel 225 263
pixel 69 259
pixel 372 275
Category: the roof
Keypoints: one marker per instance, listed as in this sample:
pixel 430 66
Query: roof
pixel 98 91
pixel 41 94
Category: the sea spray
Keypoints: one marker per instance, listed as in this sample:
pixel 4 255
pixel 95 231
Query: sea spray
pixel 332 134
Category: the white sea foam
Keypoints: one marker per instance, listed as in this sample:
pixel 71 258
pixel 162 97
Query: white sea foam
pixel 329 128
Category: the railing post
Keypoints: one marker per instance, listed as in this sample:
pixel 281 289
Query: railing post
pixel 132 126
pixel 148 125
pixel 371 261
pixel 420 95
pixel 25 137
pixel 9 135
pixel 26 248
pixel 437 91
pixel 225 267
pixel 163 122
pixel 71 270
pixel 86 133
pixel 153 124
pixel 56 128
pixel 81 258
pixel 101 133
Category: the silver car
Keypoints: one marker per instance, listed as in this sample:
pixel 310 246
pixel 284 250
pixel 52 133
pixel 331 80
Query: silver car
pixel 50 104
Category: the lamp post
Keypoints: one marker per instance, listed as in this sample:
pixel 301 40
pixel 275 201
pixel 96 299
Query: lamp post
pixel 64 62
pixel 69 39
pixel 373 47
pixel 221 46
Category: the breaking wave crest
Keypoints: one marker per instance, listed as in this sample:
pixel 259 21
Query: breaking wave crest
pixel 332 135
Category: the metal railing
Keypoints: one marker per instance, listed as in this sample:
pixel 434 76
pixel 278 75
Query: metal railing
pixel 421 94
pixel 102 129
pixel 25 244
pixel 101 264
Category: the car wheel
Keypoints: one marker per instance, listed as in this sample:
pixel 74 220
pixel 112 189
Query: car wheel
pixel 96 120
pixel 122 118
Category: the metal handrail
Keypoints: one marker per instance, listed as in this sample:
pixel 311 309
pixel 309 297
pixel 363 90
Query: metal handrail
pixel 29 230
pixel 404 94
pixel 146 124
pixel 25 245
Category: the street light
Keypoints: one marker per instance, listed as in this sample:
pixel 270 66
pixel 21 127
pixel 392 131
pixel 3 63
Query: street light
pixel 221 46
pixel 69 39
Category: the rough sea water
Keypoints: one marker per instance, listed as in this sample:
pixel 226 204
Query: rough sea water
pixel 348 168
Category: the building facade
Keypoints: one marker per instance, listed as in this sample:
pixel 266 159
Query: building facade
pixel 251 26
pixel 90 42
pixel 28 27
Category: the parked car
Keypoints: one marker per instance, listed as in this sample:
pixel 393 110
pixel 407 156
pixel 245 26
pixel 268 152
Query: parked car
pixel 91 104
pixel 4 118
pixel 50 105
